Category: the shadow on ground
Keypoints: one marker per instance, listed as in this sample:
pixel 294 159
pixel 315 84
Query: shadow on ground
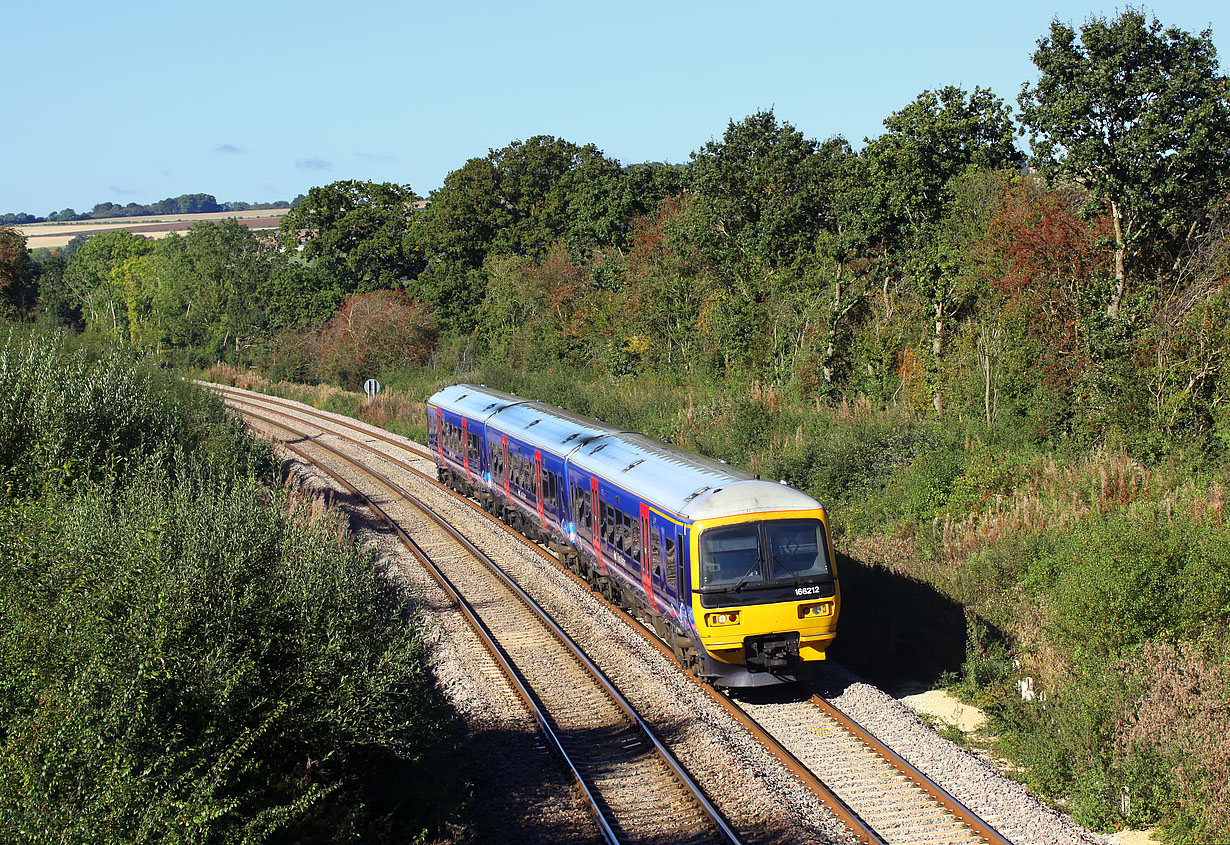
pixel 894 630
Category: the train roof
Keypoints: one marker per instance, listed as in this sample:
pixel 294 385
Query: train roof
pixel 675 479
pixel 688 484
pixel 548 427
pixel 474 400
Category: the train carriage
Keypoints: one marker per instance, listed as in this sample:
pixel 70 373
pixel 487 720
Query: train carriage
pixel 736 573
pixel 530 443
pixel 456 433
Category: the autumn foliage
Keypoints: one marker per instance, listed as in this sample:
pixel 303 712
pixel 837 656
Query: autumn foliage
pixel 373 332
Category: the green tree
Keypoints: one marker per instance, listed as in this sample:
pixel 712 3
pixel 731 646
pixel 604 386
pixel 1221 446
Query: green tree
pixel 761 191
pixel 519 200
pixel 88 276
pixel 56 303
pixel 913 172
pixel 356 233
pixel 938 137
pixel 209 286
pixel 1139 115
pixel 18 273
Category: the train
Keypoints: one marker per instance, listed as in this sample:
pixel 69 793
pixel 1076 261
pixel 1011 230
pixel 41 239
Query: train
pixel 735 573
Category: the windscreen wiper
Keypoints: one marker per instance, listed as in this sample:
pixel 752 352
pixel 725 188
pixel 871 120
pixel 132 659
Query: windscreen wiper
pixel 755 567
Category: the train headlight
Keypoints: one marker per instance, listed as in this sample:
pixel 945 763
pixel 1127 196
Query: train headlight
pixel 824 608
pixel 727 617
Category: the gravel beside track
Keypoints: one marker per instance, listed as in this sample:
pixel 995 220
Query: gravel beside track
pixel 1007 805
pixel 755 792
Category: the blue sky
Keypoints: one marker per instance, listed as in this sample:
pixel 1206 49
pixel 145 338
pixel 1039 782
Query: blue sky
pixel 259 101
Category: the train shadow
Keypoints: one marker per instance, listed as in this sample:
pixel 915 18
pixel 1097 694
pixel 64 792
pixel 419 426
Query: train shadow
pixel 896 631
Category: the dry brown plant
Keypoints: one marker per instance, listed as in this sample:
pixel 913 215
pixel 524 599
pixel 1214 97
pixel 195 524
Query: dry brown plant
pixel 1183 714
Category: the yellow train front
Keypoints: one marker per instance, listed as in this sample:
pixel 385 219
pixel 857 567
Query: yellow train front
pixel 752 594
pixel 765 597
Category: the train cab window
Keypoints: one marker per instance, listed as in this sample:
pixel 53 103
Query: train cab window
pixel 797 549
pixel 730 556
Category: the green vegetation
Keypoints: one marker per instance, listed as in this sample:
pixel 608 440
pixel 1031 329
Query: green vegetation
pixel 1007 382
pixel 186 655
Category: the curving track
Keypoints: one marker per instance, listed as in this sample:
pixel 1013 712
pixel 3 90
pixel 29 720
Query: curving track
pixel 623 769
pixel 877 794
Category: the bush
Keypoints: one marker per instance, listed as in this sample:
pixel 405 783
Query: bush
pixel 184 657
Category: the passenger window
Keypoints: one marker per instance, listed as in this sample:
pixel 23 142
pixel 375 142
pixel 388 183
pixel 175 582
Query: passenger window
pixel 672 562
pixel 655 551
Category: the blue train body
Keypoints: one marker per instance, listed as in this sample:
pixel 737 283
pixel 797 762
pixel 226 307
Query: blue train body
pixel 735 573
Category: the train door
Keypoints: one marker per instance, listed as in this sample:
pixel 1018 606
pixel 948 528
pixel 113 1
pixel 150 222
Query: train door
pixel 440 433
pixel 507 471
pixel 646 560
pixel 595 503
pixel 538 491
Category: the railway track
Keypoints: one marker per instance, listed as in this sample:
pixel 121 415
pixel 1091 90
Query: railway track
pixel 876 793
pixel 625 772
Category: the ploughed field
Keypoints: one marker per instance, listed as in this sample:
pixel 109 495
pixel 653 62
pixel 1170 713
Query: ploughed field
pixel 55 235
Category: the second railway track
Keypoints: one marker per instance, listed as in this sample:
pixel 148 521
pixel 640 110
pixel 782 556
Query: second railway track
pixel 879 796
pixel 625 771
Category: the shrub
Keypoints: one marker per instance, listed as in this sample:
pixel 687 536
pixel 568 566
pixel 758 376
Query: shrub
pixel 183 657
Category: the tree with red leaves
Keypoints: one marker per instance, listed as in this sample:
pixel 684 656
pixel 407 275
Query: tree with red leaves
pixel 375 331
pixel 1050 271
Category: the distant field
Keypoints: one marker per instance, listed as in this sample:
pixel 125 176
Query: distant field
pixel 53 235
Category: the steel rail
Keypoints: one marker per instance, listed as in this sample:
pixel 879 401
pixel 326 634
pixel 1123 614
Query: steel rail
pixel 498 652
pixel 312 412
pixel 940 795
pixel 822 792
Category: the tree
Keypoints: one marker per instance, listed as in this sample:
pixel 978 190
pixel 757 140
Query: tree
pixel 1139 115
pixel 18 273
pixel 375 331
pixel 760 191
pixel 356 232
pixel 922 180
pixel 933 140
pixel 88 276
pixel 519 200
pixel 210 285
